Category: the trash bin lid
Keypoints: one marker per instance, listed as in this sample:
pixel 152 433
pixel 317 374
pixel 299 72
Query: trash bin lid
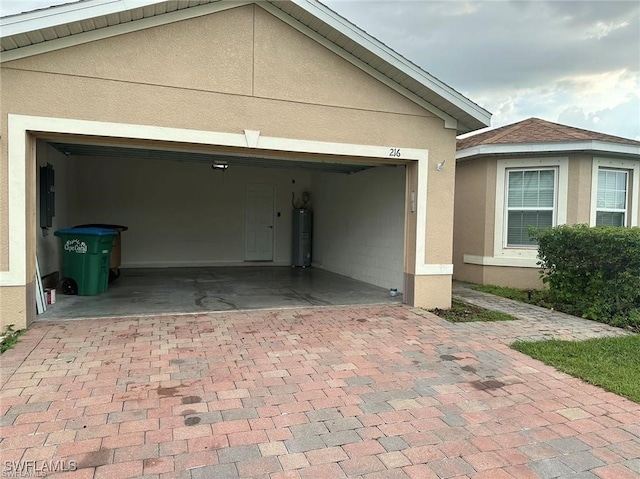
pixel 86 231
pixel 101 225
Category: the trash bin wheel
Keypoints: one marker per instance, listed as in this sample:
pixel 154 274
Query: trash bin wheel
pixel 114 273
pixel 69 286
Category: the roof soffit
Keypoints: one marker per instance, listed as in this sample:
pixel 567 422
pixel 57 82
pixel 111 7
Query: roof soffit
pixel 594 147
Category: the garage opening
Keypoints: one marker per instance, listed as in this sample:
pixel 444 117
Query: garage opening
pixel 216 230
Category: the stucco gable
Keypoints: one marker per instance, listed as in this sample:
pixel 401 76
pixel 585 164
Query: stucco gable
pixel 241 51
pixel 67 25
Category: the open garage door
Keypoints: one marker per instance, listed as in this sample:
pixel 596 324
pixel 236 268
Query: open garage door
pixel 195 239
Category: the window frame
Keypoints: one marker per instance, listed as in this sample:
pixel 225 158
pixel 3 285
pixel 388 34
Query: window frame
pixel 508 209
pixel 526 255
pixel 632 169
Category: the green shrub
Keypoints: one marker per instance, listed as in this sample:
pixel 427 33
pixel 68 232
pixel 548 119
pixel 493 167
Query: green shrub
pixel 593 272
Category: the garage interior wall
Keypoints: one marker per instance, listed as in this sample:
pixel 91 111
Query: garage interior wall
pixel 359 225
pixel 188 214
pixel 180 213
pixel 66 205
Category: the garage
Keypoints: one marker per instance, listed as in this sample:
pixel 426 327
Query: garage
pixel 214 231
pixel 203 125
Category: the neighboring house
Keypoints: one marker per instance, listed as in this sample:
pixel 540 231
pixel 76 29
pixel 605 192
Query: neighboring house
pixel 535 173
pixel 132 103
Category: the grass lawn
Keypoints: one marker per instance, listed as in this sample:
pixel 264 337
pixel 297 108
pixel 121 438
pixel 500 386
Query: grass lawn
pixel 611 363
pixel 534 296
pixel 543 298
pixel 462 312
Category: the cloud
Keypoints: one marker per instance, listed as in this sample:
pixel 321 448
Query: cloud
pixel 517 43
pixel 609 103
pixel 623 118
pixel 519 58
pixel 568 61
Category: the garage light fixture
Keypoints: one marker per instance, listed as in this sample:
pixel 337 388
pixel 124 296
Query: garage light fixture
pixel 440 165
pixel 220 165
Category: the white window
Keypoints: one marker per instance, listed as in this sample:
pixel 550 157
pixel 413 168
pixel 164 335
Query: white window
pixel 615 188
pixel 529 192
pixel 531 201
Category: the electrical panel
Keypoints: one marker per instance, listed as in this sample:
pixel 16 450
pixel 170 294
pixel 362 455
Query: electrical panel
pixel 47 196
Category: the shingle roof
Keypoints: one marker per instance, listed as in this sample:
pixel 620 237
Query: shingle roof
pixel 535 130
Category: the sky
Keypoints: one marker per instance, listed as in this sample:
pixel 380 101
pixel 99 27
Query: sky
pixel 575 62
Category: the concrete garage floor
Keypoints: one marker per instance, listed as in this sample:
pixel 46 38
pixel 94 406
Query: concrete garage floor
pixel 196 290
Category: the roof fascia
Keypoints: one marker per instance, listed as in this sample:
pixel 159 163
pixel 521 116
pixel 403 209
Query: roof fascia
pixel 328 16
pixel 120 29
pixel 60 15
pixel 596 146
pixel 449 121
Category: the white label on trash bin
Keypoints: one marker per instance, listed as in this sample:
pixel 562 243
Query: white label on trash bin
pixel 76 246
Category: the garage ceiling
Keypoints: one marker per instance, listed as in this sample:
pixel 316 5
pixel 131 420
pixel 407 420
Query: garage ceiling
pixel 325 166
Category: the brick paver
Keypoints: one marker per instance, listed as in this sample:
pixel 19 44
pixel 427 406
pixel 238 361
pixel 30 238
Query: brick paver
pixel 374 391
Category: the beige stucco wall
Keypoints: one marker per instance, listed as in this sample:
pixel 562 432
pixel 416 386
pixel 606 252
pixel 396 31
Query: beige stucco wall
pixel 475 218
pixel 522 278
pixel 433 291
pixel 440 188
pixel 579 195
pixel 230 71
pixel 474 210
pixel 13 306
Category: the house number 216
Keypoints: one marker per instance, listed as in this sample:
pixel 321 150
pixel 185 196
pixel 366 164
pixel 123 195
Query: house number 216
pixel 394 152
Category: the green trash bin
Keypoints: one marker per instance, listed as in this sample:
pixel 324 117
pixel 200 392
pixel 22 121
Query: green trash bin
pixel 85 260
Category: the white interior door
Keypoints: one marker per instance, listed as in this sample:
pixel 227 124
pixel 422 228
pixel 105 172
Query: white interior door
pixel 258 223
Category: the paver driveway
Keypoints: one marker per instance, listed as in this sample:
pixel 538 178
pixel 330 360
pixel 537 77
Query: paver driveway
pixel 370 392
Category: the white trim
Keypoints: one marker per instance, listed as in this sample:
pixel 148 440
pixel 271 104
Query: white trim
pixel 566 147
pixel 562 182
pixel 436 270
pixel 634 186
pixel 517 262
pixel 76 12
pixel 252 138
pixel 17 206
pixel 19 127
pixel 421 216
pixel 100 33
pixel 201 137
